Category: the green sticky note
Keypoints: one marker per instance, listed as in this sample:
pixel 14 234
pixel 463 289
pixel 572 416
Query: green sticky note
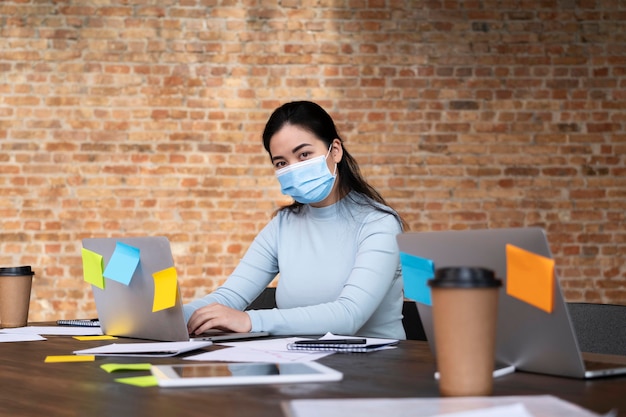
pixel 164 289
pixel 139 381
pixel 112 367
pixel 93 265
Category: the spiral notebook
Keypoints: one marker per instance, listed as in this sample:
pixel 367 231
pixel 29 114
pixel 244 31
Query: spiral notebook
pixel 341 344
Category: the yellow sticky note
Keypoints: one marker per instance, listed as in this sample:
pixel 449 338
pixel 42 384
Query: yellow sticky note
pixel 93 267
pixel 99 337
pixel 70 358
pixel 530 278
pixel 164 289
pixel 139 381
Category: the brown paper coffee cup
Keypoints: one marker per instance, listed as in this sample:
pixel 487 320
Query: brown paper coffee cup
pixel 15 286
pixel 465 302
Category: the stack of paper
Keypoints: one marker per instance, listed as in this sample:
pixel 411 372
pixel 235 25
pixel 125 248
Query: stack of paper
pixel 155 349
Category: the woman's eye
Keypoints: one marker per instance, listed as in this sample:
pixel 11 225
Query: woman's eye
pixel 280 164
pixel 305 155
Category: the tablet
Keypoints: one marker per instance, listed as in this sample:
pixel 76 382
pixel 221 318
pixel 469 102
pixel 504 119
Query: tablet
pixel 225 373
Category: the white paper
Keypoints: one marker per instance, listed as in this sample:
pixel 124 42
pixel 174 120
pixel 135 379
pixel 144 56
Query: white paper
pixel 279 344
pixel 514 410
pixel 537 406
pixel 242 354
pixel 19 337
pixel 154 349
pixel 265 350
pixel 56 330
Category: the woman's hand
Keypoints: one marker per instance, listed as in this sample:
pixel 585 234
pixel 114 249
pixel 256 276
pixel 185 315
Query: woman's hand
pixel 218 316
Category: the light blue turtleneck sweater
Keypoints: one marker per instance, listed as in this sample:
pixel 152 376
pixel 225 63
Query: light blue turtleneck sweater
pixel 339 272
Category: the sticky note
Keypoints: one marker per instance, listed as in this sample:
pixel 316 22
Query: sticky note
pixel 416 272
pixel 69 358
pixel 530 278
pixel 98 337
pixel 164 289
pixel 92 268
pixel 122 264
pixel 112 367
pixel 139 381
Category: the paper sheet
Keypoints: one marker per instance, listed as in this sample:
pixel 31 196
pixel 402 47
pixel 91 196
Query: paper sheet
pixel 55 330
pixel 266 351
pixel 19 337
pixel 537 406
pixel 154 349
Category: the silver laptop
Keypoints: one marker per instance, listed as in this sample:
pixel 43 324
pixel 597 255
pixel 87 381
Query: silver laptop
pixel 126 310
pixel 528 338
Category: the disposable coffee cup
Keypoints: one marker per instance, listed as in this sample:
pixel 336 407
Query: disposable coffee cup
pixel 15 285
pixel 465 306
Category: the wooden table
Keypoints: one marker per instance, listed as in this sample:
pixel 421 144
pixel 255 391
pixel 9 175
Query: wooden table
pixel 31 387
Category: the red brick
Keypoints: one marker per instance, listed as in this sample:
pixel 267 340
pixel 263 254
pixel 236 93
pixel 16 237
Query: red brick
pixel 151 121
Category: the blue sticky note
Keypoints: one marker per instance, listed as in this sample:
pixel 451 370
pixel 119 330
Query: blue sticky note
pixel 122 264
pixel 416 272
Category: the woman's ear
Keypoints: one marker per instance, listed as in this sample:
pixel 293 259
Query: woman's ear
pixel 336 152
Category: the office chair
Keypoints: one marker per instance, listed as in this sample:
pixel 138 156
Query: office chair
pixel 600 328
pixel 265 300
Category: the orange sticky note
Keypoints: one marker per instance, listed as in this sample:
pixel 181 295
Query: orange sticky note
pixel 530 278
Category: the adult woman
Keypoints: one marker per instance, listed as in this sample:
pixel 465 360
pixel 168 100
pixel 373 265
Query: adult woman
pixel 334 247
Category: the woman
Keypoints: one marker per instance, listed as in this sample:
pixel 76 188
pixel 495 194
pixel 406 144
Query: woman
pixel 335 246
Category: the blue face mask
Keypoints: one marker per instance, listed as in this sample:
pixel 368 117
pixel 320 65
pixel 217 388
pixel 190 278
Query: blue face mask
pixel 308 181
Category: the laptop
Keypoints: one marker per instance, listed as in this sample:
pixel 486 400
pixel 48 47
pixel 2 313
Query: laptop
pixel 528 338
pixel 126 308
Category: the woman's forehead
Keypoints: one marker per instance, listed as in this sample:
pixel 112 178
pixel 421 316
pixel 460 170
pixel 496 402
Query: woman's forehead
pixel 290 136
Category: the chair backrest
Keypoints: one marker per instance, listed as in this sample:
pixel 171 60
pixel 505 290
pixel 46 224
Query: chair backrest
pixel 411 321
pixel 265 300
pixel 600 328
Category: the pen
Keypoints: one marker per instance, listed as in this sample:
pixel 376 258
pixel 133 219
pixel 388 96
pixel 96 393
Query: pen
pixel 331 342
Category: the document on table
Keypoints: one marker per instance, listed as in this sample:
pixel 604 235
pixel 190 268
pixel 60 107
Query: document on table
pixel 153 349
pixel 19 337
pixel 266 351
pixel 56 330
pixel 512 406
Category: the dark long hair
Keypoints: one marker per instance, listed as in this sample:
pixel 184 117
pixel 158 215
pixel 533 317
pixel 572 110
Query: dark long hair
pixel 314 119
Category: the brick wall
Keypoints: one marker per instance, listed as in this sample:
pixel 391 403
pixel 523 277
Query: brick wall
pixel 144 118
